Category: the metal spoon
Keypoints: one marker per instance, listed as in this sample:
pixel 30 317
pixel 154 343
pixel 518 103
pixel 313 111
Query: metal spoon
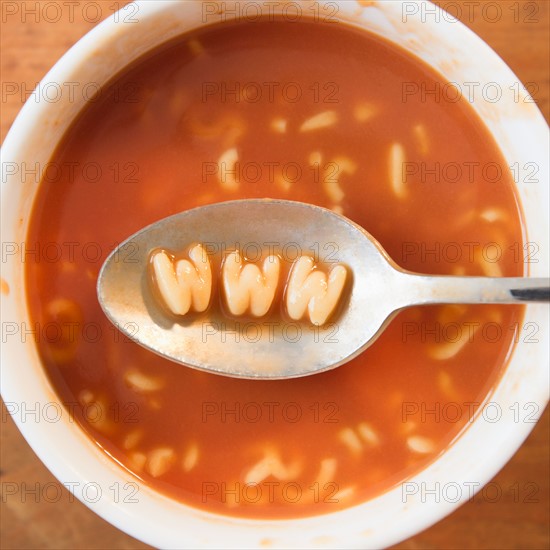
pixel 263 349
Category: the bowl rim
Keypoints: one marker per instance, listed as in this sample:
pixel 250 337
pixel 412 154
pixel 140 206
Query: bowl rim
pixel 44 439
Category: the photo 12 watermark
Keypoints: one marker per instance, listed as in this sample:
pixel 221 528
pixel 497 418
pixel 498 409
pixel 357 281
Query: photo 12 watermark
pixel 468 172
pixel 469 253
pixel 93 411
pixel 269 332
pixel 253 412
pixel 472 11
pixel 453 492
pixel 249 11
pixel 70 92
pixel 451 412
pixel 467 332
pixel 53 492
pixel 230 171
pixel 471 91
pixel 70 252
pixel 287 251
pixel 270 492
pixel 70 11
pixel 62 337
pixel 270 92
pixel 91 172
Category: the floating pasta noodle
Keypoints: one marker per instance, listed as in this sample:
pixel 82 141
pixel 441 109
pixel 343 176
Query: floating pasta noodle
pixel 85 397
pixel 271 465
pixel 446 385
pixel 450 313
pixel 344 494
pixel 142 382
pixel 160 461
pixel 408 426
pixel 368 434
pixel 327 471
pixel 421 137
pixel 154 403
pixel 492 215
pixel 140 105
pixel 364 112
pixel 137 460
pixel 315 158
pixel 356 439
pixel 332 172
pixel 447 350
pixel 96 412
pixel 319 121
pixel 396 162
pixel 279 125
pixel 489 267
pixel 179 102
pixel 466 218
pixel 68 267
pixel 420 444
pixel 92 274
pixel 66 316
pixel 195 46
pixel 190 458
pixel 225 130
pixel 131 439
pixel 351 440
pixel 332 187
pixel 227 172
pixel 285 184
pixel 205 198
pixel 494 315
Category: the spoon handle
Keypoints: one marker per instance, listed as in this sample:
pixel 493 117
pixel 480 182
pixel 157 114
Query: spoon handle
pixel 469 290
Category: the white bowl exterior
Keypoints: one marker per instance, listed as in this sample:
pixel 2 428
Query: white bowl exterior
pixel 75 460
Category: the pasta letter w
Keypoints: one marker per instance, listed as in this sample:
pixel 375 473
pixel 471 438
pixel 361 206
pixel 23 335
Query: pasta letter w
pixel 184 285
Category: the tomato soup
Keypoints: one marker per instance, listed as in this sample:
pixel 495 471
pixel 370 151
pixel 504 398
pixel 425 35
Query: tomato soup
pixel 307 111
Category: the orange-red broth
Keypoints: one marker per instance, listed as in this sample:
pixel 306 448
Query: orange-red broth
pixel 311 445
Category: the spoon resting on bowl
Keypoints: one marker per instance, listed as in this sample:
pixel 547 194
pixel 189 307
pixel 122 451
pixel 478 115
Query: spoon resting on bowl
pixel 263 347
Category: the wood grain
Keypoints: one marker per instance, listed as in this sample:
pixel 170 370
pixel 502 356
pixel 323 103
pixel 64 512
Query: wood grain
pixel 519 518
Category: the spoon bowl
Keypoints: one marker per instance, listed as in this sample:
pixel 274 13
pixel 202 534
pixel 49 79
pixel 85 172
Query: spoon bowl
pixel 261 349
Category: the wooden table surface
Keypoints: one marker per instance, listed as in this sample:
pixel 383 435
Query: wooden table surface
pixel 518 518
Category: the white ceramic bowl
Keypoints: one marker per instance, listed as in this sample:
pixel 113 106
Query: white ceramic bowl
pixel 470 462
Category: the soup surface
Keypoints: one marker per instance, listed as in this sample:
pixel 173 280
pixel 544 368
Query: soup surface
pixel 307 111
